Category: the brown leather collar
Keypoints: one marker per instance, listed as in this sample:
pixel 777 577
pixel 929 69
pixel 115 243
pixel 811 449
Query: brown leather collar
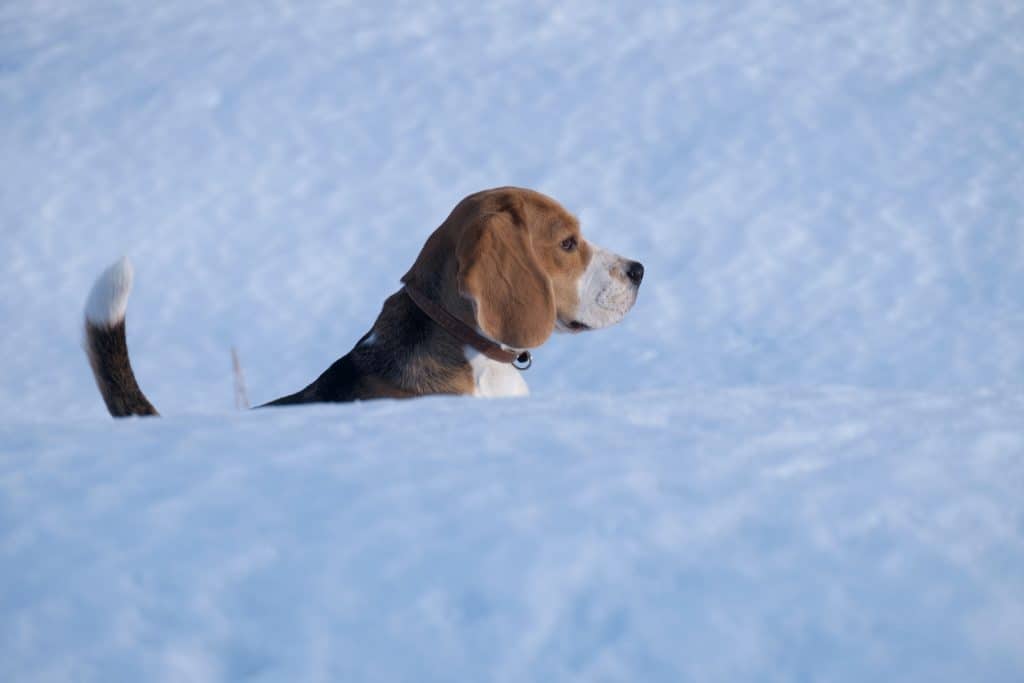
pixel 466 334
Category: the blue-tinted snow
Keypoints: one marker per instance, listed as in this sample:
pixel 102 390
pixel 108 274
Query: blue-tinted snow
pixel 824 193
pixel 707 536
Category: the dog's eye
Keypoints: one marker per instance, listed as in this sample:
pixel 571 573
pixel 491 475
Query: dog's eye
pixel 569 244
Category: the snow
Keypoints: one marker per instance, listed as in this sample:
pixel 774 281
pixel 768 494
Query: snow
pixel 743 534
pixel 798 458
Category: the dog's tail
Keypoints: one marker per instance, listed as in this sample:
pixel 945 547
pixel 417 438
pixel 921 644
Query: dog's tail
pixel 106 346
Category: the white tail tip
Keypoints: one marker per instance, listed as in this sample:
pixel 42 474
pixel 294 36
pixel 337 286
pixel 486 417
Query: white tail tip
pixel 109 296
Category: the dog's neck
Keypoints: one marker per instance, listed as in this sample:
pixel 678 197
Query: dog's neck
pixel 407 354
pixel 462 331
pixel 422 356
pixel 494 379
pixel 411 352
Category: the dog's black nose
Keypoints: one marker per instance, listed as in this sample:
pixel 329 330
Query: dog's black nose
pixel 635 272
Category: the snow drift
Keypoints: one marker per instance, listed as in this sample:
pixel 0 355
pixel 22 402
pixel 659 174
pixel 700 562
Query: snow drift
pixel 824 194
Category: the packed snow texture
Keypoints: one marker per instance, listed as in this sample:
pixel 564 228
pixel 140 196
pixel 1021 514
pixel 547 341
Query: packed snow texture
pixel 731 535
pixel 824 194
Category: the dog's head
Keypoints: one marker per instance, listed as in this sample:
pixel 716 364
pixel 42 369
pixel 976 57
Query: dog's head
pixel 513 264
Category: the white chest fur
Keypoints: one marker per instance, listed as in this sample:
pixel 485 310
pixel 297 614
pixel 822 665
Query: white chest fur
pixel 493 379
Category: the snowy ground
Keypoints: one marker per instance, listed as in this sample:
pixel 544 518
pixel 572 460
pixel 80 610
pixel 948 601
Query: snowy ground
pixel 680 536
pixel 825 194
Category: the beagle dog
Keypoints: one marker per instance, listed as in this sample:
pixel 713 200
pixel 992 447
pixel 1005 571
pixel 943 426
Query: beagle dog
pixel 503 272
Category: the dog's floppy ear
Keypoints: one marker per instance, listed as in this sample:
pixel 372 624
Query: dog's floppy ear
pixel 497 269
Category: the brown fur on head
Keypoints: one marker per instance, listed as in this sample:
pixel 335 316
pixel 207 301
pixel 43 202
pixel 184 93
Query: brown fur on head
pixel 508 262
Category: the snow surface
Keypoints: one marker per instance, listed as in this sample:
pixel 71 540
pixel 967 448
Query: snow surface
pixel 728 535
pixel 824 194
